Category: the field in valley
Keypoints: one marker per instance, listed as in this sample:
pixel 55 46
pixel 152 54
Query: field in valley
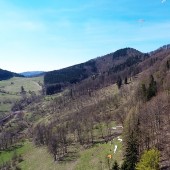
pixel 10 91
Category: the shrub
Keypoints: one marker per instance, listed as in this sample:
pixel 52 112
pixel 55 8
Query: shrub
pixel 149 160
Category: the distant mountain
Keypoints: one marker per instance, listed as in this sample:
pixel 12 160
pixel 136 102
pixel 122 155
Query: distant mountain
pixel 33 73
pixel 119 62
pixel 4 74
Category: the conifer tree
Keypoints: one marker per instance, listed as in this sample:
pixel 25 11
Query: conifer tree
pixel 131 155
pixel 168 65
pixel 152 90
pixel 119 82
pixel 115 166
pixel 126 80
pixel 132 143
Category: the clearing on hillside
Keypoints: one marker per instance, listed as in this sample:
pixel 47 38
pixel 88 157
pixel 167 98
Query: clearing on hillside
pixel 94 158
pixel 10 90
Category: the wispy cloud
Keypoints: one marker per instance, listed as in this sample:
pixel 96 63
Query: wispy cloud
pixel 141 20
pixel 70 32
pixel 19 20
pixel 163 1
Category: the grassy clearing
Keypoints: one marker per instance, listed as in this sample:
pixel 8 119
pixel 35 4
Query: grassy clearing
pixel 94 158
pixel 10 90
pixel 6 101
pixel 13 85
pixel 38 158
pixel 5 107
pixel 19 149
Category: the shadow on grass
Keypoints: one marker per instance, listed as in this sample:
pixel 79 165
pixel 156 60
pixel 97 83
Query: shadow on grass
pixel 70 156
pixel 13 148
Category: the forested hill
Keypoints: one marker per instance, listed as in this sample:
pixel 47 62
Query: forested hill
pixel 123 60
pixel 71 74
pixel 5 75
pixel 120 105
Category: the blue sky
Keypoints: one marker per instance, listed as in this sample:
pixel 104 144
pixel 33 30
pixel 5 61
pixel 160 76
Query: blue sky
pixel 52 34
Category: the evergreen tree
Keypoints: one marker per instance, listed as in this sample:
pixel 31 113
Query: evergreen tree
pixel 144 91
pixel 131 136
pixel 131 155
pixel 168 65
pixel 126 80
pixel 119 82
pixel 124 166
pixel 22 89
pixel 152 90
pixel 115 166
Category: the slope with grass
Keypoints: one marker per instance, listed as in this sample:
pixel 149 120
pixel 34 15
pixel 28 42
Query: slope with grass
pixel 96 157
pixel 13 85
pixel 10 91
pixel 83 118
pixel 19 149
pixel 39 158
pixel 77 159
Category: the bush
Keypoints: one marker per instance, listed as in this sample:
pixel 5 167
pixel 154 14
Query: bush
pixel 149 160
pixel 17 168
pixel 20 159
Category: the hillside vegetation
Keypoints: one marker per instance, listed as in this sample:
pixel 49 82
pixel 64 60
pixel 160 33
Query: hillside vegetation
pixel 5 75
pixel 117 109
pixel 10 91
pixel 120 63
pixel 91 158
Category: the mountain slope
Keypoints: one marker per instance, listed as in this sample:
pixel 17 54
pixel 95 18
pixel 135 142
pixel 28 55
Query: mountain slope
pixel 87 119
pixel 119 62
pixel 4 74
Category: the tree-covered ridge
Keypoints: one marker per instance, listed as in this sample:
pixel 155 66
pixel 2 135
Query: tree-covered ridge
pixel 86 115
pixel 71 74
pixel 81 71
pixel 125 52
pixel 129 62
pixel 106 67
pixel 5 75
